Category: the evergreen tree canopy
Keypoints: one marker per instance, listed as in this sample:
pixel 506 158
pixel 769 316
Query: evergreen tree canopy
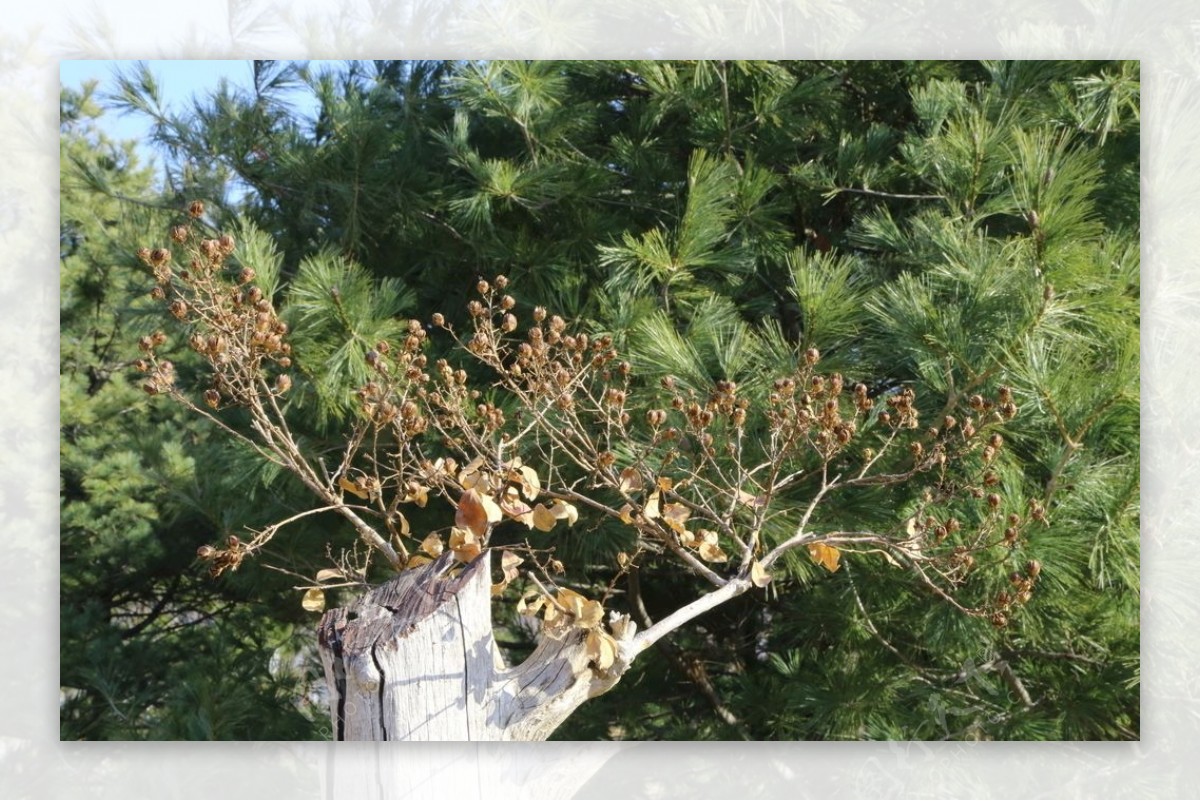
pixel 959 237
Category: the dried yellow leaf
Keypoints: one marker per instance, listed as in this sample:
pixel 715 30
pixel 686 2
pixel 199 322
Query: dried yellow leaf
pixel 529 609
pixel 330 573
pixel 543 518
pixel 432 545
pixel 465 544
pixel 625 516
pixel 313 600
pixel 508 565
pixel 352 487
pixel 531 485
pixel 418 494
pixel 753 501
pixel 564 511
pixel 825 555
pixel 631 480
pixel 403 529
pixel 476 512
pixel 650 512
pixel 758 576
pixel 601 648
pixel 675 515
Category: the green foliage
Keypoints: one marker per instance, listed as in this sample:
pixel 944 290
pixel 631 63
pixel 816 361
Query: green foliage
pixel 951 227
pixel 150 647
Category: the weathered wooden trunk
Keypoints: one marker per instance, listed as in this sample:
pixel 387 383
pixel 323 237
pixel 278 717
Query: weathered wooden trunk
pixel 415 659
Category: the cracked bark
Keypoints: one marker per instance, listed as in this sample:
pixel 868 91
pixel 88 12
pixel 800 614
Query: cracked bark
pixel 415 659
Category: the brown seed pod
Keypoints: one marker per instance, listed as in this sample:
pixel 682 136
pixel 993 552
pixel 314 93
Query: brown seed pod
pixel 206 552
pixel 993 500
pixel 212 398
pixel 195 209
pixel 812 356
pixel 501 281
pixel 1033 567
pixel 482 287
pixel 439 319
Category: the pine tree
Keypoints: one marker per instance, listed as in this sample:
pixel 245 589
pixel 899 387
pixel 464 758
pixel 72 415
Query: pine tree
pixel 961 235
pixel 150 649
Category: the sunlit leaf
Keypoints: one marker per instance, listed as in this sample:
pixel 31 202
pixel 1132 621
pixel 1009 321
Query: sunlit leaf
pixel 564 511
pixel 650 511
pixel 825 555
pixel 417 493
pixel 465 544
pixel 531 608
pixel 474 477
pixel 352 487
pixel 675 515
pixel 512 505
pixel 330 573
pixel 602 648
pixel 753 501
pixel 432 545
pixel 758 576
pixel 314 600
pixel 476 512
pixel 531 485
pixel 543 518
